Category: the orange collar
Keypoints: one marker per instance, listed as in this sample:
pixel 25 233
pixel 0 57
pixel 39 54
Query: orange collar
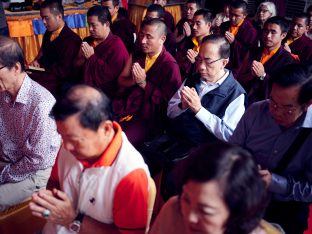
pixel 108 156
pixel 234 29
pixel 114 18
pixel 56 33
pixel 266 55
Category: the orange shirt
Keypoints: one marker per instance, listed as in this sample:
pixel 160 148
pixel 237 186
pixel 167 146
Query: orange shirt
pixel 234 29
pixel 56 33
pixel 149 61
pixel 266 55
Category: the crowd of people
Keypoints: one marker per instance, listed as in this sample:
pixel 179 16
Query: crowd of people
pixel 225 97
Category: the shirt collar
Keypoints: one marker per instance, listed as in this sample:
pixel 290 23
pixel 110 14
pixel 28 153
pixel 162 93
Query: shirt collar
pixel 220 81
pixel 110 153
pixel 307 123
pixel 23 94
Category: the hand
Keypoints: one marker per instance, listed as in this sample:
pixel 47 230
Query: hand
pixel 266 177
pixel 187 29
pixel 87 50
pixel 257 69
pixel 190 98
pixel 57 202
pixel 191 55
pixel 229 36
pixel 35 63
pixel 139 75
pixel 286 47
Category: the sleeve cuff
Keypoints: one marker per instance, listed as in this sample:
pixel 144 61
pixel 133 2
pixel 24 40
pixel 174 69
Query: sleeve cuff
pixel 278 184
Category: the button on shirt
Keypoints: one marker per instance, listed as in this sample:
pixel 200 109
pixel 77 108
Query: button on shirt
pixel 221 128
pixel 28 138
pixel 258 132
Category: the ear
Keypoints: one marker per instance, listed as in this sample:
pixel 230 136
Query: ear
pixel 106 127
pixel 225 62
pixel 283 35
pixel 17 68
pixel 163 38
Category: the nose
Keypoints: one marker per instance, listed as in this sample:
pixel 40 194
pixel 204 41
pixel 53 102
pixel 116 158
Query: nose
pixel 192 216
pixel 144 40
pixel 201 65
pixel 296 27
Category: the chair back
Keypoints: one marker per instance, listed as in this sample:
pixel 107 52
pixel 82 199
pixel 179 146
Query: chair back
pixel 19 219
pixel 151 201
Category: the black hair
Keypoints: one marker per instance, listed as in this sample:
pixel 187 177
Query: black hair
pixel 281 21
pixel 197 2
pixel 240 4
pixel 207 15
pixel 304 16
pixel 55 7
pixel 294 75
pixel 92 110
pixel 235 171
pixel 11 53
pixel 102 13
pixel 157 8
pixel 224 45
pixel 309 8
pixel 115 2
pixel 161 26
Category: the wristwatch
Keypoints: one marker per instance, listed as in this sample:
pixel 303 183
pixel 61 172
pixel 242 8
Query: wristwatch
pixel 262 77
pixel 75 225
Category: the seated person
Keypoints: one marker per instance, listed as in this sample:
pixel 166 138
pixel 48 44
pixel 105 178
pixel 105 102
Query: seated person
pixel 121 26
pixel 221 192
pixel 209 104
pixel 262 62
pixel 99 183
pixel 221 17
pixel 189 48
pixel 28 138
pixel 309 12
pixel 240 33
pixel 184 26
pixel 169 20
pixel 148 81
pixel 207 107
pixel 59 47
pixel 297 41
pixel 102 55
pixel 269 129
pixel 265 11
pixel 157 11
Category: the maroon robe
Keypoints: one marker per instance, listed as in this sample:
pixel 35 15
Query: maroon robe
pixel 57 60
pixel 303 48
pixel 169 21
pixel 125 29
pixel 245 39
pixel 102 69
pixel 170 43
pixel 148 106
pixel 259 89
pixel 186 67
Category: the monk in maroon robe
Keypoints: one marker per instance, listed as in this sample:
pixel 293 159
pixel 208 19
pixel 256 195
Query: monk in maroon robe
pixel 168 18
pixel 157 11
pixel 102 55
pixel 261 63
pixel 297 42
pixel 59 47
pixel 121 26
pixel 149 79
pixel 188 49
pixel 240 33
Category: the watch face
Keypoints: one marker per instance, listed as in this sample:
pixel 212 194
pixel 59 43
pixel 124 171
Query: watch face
pixel 75 226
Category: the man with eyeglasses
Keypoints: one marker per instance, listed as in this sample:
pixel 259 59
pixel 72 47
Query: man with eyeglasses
pixel 268 129
pixel 28 138
pixel 209 103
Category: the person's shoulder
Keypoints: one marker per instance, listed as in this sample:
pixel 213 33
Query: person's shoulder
pixel 68 33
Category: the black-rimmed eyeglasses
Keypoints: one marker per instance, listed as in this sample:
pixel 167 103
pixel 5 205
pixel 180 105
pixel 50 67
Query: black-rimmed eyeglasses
pixel 206 61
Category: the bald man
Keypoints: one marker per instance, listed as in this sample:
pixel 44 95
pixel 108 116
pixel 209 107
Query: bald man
pixel 95 168
pixel 149 79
